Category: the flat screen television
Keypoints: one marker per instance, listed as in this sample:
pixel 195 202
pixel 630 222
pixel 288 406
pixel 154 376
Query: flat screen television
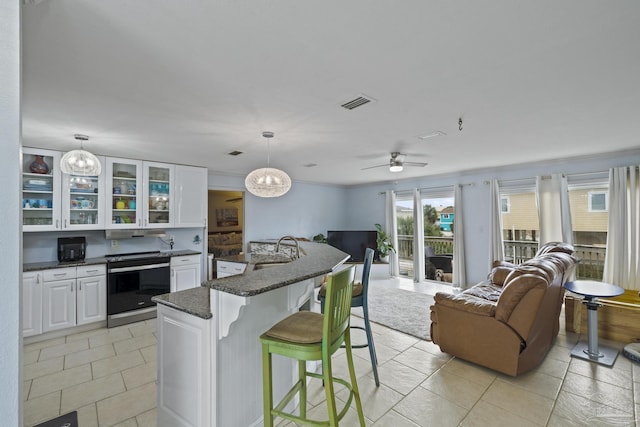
pixel 353 242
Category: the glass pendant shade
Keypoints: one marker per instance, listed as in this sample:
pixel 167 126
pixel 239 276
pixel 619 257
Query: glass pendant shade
pixel 80 162
pixel 268 182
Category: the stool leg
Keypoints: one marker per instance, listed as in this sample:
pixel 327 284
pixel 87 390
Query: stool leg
pixel 267 397
pixel 327 378
pixel 352 376
pixel 372 347
pixel 302 376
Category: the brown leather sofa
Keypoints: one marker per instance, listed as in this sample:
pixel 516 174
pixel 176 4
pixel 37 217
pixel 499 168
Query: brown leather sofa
pixel 509 321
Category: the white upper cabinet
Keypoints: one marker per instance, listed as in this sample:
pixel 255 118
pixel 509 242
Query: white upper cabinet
pixel 41 190
pixel 158 195
pixel 190 196
pixel 124 193
pixel 83 201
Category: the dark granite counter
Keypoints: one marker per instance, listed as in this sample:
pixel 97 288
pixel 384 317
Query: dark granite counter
pixel 316 259
pixel 34 266
pixel 193 301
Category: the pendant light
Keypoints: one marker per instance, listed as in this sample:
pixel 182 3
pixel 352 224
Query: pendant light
pixel 268 182
pixel 80 162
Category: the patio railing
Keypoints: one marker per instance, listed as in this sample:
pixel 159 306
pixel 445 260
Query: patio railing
pixel 590 267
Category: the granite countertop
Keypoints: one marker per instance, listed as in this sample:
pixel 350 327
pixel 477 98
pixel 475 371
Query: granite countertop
pixel 318 259
pixel 34 266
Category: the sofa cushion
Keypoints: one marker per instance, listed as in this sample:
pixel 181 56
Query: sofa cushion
pixel 516 288
pixel 555 247
pixel 499 273
pixel 485 290
pixel 468 303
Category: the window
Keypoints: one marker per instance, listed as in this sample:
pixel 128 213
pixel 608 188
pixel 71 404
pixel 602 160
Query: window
pixel 505 205
pixel 598 201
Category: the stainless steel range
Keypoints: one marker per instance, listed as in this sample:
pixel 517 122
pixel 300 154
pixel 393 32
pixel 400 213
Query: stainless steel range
pixel 132 280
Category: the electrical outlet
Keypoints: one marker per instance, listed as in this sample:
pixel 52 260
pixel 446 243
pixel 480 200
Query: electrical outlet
pixel 114 243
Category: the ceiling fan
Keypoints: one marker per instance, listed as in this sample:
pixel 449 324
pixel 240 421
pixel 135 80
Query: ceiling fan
pixel 396 164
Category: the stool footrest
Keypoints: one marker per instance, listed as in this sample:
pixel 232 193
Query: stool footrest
pixel 357 345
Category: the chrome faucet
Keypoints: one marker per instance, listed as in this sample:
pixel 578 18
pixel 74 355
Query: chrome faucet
pixel 294 241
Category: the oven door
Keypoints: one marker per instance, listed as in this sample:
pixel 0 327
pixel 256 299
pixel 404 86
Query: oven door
pixel 131 288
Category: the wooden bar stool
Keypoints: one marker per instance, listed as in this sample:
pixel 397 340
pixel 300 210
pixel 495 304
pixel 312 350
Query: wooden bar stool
pixel 360 299
pixel 307 336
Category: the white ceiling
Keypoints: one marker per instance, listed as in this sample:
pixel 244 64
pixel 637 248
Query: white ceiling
pixel 190 81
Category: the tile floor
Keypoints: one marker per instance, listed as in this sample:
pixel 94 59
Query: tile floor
pixel 108 376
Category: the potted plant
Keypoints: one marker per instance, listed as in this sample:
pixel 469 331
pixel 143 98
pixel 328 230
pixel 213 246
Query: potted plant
pixel 385 247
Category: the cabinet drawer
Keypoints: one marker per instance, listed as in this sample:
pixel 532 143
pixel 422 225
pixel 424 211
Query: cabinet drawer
pixel 59 274
pixel 230 267
pixel 92 270
pixel 184 260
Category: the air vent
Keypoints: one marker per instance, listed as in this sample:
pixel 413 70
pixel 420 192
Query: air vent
pixel 359 101
pixel 235 153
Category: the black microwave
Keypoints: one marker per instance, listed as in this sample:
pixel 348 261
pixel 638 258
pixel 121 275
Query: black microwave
pixel 71 249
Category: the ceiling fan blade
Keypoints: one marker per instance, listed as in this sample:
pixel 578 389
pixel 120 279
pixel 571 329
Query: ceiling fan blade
pixel 373 167
pixel 415 164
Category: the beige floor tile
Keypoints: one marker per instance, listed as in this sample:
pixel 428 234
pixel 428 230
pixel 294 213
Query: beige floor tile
pixel 470 371
pixel 142 329
pixel 63 349
pixel 618 375
pixel 517 401
pixel 583 411
pixel 422 361
pixel 114 335
pixel 45 367
pixel 30 357
pixel 554 367
pixel 456 389
pixel 376 401
pixel 148 419
pixel 430 347
pixel 127 405
pixel 560 353
pixel 88 356
pixel 128 345
pixel 117 363
pixel 150 353
pixel 88 416
pixel 92 391
pixel 131 422
pixel 396 340
pixel 636 393
pixel 394 419
pixel 599 391
pixel 86 334
pixel 485 414
pixel 428 409
pixel 383 352
pixel 635 367
pixel 139 375
pixel 43 344
pixel 42 408
pixel 60 380
pixel 26 386
pixel 399 377
pixel 351 418
pixel 536 382
pixel 567 340
pixel 341 369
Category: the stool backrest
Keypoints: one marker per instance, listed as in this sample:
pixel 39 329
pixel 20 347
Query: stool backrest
pixel 337 308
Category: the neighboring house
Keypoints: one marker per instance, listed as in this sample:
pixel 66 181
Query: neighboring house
pixel 446 219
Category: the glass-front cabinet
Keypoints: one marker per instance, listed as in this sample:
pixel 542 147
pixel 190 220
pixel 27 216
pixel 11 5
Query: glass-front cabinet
pixel 158 194
pixel 140 194
pixel 40 190
pixel 82 201
pixel 124 179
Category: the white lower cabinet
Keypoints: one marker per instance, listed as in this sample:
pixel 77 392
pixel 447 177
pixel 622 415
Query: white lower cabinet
pixel 73 296
pixel 31 303
pixel 185 272
pixel 229 268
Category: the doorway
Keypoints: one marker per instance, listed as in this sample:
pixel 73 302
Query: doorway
pixel 226 223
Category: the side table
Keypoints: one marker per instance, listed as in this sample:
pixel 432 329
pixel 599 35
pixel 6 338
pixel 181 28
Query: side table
pixel 591 290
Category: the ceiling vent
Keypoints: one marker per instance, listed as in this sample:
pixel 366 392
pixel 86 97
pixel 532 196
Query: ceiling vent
pixel 356 102
pixel 235 153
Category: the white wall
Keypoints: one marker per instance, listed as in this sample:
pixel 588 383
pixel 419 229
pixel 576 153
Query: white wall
pixel 366 205
pixel 10 230
pixel 306 210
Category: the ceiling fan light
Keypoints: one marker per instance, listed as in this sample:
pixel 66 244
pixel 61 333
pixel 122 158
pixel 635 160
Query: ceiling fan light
pixel 395 166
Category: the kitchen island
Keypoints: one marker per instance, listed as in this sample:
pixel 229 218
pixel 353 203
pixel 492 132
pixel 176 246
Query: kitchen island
pixel 209 354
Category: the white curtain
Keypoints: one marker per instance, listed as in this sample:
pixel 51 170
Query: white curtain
pixel 459 265
pixel 418 237
pixel 391 227
pixel 622 260
pixel 496 244
pixel 554 215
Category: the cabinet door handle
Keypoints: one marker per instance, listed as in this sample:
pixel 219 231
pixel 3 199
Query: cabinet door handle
pixel 60 274
pixel 38 279
pixel 65 223
pixel 92 271
pixel 79 285
pixel 71 287
pixel 57 223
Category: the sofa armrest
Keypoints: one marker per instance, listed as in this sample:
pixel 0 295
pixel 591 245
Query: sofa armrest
pixel 468 303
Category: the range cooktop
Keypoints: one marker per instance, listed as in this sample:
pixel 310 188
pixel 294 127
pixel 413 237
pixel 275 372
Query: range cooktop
pixel 133 256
